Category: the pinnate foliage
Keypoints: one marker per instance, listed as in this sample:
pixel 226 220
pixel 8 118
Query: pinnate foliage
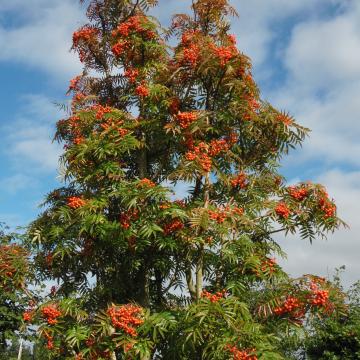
pixel 143 271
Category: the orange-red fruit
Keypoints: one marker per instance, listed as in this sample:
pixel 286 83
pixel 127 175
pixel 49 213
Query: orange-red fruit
pixel 75 202
pixel 51 313
pixel 126 318
pixel 27 316
pixel 282 210
pixel 142 91
pixel 147 183
pixel 186 118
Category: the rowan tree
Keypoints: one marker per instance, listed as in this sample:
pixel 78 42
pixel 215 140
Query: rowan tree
pixel 144 271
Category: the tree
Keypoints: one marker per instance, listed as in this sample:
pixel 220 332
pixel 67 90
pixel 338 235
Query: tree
pixel 337 337
pixel 145 272
pixel 12 351
pixel 13 293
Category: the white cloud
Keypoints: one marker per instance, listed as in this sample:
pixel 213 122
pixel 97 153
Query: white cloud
pixel 17 182
pixel 259 24
pixel 28 139
pixel 325 53
pixel 323 64
pixel 43 39
pixel 255 26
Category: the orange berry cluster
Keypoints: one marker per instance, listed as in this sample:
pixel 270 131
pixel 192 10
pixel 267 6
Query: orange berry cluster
pixel 318 297
pixel 217 146
pixel 142 90
pixel 327 206
pixel 298 193
pixel 213 297
pixel 146 182
pixel 200 154
pixel 135 24
pixel 173 226
pixel 126 317
pixel 290 305
pixel 191 52
pixel 239 181
pixel 122 132
pixel 9 253
pixel 225 53
pixel 268 265
pixel 75 202
pixel 191 55
pixel 282 210
pixel 186 118
pixel 221 214
pixel 131 74
pixel 241 354
pixel 218 216
pixel 51 313
pixel 27 316
pixel 78 140
pixel 85 34
pixel 74 83
pixel 321 297
pixel 119 48
pixel 127 217
pixel 101 110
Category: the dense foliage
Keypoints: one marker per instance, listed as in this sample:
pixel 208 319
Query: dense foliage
pixel 13 293
pixel 337 337
pixel 146 272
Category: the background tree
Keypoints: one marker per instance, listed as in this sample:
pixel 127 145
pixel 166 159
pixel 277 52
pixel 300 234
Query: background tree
pixel 14 299
pixel 12 351
pixel 337 337
pixel 194 272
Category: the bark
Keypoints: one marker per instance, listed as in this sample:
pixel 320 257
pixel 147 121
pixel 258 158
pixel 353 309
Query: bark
pixel 190 282
pixel 20 349
pixel 199 273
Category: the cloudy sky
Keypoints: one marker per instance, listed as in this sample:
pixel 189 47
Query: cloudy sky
pixel 306 56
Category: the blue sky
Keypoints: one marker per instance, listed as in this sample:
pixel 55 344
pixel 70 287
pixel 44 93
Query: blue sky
pixel 306 56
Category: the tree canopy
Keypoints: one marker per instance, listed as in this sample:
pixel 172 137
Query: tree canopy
pixel 162 239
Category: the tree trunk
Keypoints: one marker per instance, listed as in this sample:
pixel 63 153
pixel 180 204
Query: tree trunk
pixel 199 273
pixel 20 349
